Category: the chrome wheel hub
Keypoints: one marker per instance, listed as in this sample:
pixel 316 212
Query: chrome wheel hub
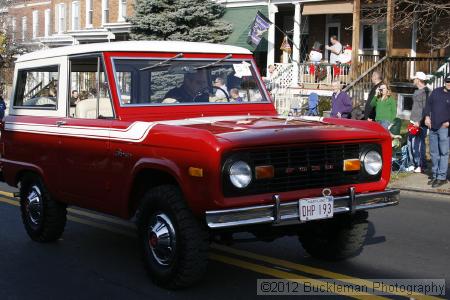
pixel 34 205
pixel 162 239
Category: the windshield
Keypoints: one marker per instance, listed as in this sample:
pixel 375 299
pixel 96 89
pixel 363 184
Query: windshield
pixel 186 81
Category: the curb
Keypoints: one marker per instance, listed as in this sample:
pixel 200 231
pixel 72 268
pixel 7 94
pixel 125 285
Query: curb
pixel 437 192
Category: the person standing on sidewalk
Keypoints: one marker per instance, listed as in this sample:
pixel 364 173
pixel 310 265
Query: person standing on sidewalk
pixel 341 103
pixel 416 143
pixel 369 111
pixel 437 119
pixel 385 106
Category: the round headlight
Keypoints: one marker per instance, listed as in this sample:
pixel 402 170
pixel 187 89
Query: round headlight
pixel 372 162
pixel 240 174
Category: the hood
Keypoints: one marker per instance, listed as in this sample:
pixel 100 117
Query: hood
pixel 249 131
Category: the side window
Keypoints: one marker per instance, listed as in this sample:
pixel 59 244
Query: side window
pixel 37 88
pixel 89 91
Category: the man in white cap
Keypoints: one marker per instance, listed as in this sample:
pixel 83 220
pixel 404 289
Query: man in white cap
pixel 416 143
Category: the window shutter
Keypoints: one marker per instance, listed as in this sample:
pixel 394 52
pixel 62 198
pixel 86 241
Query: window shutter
pixel 56 13
pixel 69 10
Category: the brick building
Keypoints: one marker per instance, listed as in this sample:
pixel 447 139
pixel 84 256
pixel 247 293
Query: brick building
pixel 38 23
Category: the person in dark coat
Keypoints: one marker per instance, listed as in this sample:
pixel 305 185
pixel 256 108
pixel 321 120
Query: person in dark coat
pixel 369 111
pixel 437 119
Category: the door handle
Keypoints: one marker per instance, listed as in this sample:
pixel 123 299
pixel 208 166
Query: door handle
pixel 60 123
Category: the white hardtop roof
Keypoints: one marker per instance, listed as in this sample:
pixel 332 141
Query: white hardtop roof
pixel 135 46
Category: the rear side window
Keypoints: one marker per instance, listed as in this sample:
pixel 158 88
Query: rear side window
pixel 37 88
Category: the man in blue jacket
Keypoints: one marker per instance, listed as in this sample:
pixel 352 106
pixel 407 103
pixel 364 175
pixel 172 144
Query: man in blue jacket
pixel 437 118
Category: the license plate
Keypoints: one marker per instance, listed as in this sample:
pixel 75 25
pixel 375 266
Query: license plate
pixel 315 208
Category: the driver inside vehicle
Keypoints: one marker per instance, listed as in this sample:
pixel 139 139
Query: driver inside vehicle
pixel 195 88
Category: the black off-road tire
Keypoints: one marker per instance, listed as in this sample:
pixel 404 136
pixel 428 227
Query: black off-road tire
pixel 190 242
pixel 336 239
pixel 49 219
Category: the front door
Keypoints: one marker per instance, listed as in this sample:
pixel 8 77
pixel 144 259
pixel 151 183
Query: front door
pixel 85 158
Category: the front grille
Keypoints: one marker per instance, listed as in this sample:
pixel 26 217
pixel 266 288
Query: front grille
pixel 299 168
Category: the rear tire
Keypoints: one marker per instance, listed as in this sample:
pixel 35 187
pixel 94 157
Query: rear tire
pixel 43 217
pixel 173 242
pixel 336 239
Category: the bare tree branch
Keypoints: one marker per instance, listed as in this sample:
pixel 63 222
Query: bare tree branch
pixel 431 18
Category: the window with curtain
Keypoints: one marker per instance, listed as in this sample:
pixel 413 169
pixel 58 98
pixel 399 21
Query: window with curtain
pixel 24 28
pixel 105 11
pixel 47 22
pixel 75 15
pixel 89 13
pixel 35 23
pixel 61 18
pixel 122 10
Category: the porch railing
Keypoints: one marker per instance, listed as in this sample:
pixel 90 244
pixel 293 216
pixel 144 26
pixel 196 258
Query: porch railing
pixel 400 70
pixel 320 75
pixel 323 74
pixel 404 68
pixel 361 86
pixel 443 71
pixel 366 61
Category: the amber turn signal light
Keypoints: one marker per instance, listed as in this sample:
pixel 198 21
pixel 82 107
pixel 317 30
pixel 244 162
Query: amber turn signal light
pixel 264 172
pixel 352 165
pixel 195 172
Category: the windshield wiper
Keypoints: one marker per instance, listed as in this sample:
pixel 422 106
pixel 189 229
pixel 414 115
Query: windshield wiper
pixel 162 63
pixel 214 63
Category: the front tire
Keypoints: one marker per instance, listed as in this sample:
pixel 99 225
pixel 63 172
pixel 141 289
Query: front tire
pixel 173 243
pixel 336 239
pixel 43 217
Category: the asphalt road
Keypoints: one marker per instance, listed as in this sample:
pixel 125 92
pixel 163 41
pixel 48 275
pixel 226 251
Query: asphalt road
pixel 98 257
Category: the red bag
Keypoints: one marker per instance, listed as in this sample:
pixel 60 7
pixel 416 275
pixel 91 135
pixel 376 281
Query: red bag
pixel 413 130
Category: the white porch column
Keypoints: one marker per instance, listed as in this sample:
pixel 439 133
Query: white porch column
pixel 273 9
pixel 413 47
pixel 296 46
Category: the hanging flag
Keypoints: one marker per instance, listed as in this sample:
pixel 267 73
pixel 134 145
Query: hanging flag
pixel 285 46
pixel 260 25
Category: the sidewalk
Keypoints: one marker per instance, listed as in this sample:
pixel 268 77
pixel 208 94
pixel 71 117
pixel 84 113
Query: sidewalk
pixel 417 182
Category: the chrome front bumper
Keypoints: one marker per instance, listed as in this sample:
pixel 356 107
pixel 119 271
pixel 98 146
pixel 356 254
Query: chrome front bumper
pixel 287 213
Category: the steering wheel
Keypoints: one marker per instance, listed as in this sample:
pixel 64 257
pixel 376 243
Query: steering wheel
pixel 224 92
pixel 200 93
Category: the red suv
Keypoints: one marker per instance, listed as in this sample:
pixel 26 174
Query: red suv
pixel 185 137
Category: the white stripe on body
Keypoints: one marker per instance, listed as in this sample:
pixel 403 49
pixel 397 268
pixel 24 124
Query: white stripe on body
pixel 136 132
